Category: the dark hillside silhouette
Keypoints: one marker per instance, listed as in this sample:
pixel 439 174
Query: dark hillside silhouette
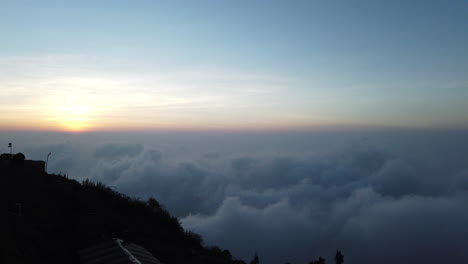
pixel 49 218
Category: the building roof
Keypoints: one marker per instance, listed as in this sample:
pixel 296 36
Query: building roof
pixel 116 251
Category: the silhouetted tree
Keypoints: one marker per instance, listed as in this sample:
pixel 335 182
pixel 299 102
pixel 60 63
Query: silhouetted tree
pixel 154 204
pixel 339 258
pixel 319 261
pixel 255 260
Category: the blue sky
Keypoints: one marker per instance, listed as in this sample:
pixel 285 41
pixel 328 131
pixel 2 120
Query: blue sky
pixel 282 64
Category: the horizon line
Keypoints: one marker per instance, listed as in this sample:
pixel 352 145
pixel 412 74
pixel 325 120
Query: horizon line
pixel 225 130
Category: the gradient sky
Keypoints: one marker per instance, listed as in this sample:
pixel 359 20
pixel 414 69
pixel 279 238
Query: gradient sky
pixel 232 65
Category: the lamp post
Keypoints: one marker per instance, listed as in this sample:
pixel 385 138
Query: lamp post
pixel 47 161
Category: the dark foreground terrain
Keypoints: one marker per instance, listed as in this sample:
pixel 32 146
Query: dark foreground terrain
pixel 47 218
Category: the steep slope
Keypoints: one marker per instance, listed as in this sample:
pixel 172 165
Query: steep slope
pixel 47 218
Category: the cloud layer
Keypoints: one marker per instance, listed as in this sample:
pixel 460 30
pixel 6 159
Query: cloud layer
pixel 380 198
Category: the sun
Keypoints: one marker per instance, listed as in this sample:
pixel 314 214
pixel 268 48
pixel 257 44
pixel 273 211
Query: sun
pixel 75 118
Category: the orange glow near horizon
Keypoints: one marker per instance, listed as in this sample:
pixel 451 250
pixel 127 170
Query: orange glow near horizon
pixel 81 114
pixel 81 119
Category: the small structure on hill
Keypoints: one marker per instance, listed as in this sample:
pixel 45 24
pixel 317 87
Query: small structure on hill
pixel 18 160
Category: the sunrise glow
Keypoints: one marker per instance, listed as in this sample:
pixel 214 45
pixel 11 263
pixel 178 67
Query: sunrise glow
pixel 295 74
pixel 74 118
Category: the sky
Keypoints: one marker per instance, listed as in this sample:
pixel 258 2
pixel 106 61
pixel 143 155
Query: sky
pixel 233 65
pixel 287 128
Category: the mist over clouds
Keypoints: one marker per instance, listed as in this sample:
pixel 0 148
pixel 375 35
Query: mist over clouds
pixel 379 197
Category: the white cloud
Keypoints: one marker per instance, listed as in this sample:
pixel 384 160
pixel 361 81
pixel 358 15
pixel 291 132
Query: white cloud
pixel 290 197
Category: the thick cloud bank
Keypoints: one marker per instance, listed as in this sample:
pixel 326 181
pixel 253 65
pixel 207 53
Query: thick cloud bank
pixel 380 198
